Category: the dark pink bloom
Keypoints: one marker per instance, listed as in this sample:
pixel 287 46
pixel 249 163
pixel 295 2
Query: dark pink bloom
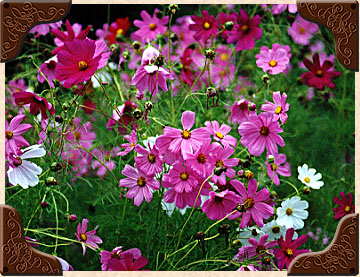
pixel 245 31
pixel 149 161
pixel 220 134
pixel 185 36
pixel 345 203
pixel 220 204
pixel 278 166
pixel 150 27
pixel 227 18
pixel 132 139
pixel 13 139
pixel 118 28
pixel 80 133
pixel 205 26
pixel 320 75
pixel 79 60
pixel 275 60
pixel 240 111
pixel 140 184
pixel 302 30
pixel 36 103
pixel 259 132
pixel 48 68
pixel 253 202
pixel 119 260
pixel 223 165
pixel 69 35
pixel 87 239
pixel 126 118
pixel 278 108
pixel 288 248
pixel 256 248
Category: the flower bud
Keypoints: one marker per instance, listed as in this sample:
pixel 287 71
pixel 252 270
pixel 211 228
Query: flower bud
pixel 137 114
pixel 265 78
pixel 252 107
pixel 173 37
pixel 307 190
pixel 66 106
pixel 173 8
pixel 148 105
pixel 300 81
pixel 72 218
pixel 159 61
pixel 59 119
pixel 248 174
pixel 44 204
pixel 55 166
pixel 271 158
pixel 126 55
pixel 229 25
pixel 210 54
pixel 136 45
pixel 51 181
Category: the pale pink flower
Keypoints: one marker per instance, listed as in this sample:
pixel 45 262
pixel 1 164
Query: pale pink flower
pixel 87 239
pixel 220 134
pixel 278 108
pixel 149 161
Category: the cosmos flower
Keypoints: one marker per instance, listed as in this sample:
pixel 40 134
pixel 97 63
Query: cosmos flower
pixel 223 164
pixel 249 232
pixel 275 230
pixel 13 131
pixel 278 166
pixel 48 68
pixel 181 29
pixel 80 133
pixel 292 213
pixel 220 134
pixel 87 239
pixel 44 29
pixel 119 260
pixel 302 30
pixel 224 19
pixel 256 248
pixel 118 29
pixel 241 111
pixel 148 161
pixel 132 139
pixel 205 26
pixel 275 60
pixel 248 267
pixel 278 108
pixel 123 116
pixel 279 8
pixel 308 177
pixel 103 163
pixel 345 203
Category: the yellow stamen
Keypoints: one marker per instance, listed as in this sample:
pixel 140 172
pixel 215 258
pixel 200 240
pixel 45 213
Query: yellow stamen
pixel 9 134
pixel 347 209
pixel 151 158
pixel 307 179
pixel 289 211
pixel 319 73
pixel 289 252
pixel 224 57
pixel 301 30
pixel 278 110
pixel 186 134
pixel 83 237
pixel 184 176
pixel 207 25
pixel 141 181
pixel 83 65
pixel 245 28
pixel 272 63
pixel 219 135
pixel 152 26
pixel 119 32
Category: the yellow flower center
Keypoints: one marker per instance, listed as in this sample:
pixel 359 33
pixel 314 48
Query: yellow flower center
pixel 207 25
pixel 83 65
pixel 141 181
pixel 289 252
pixel 9 134
pixel 119 32
pixel 260 249
pixel 248 174
pixel 278 110
pixel 223 57
pixel 307 179
pixel 347 208
pixel 219 135
pixel 152 26
pixel 201 158
pixel 83 237
pixel 115 256
pixel 19 161
pixel 301 30
pixel 219 163
pixel 289 211
pixel 249 202
pixel 274 167
pixel 272 63
pixel 319 73
pixel 186 134
pixel 151 158
pixel 132 144
pixel 184 176
pixel 244 28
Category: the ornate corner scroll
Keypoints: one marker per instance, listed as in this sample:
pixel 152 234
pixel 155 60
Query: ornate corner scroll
pixel 16 256
pixel 342 19
pixel 18 17
pixel 341 257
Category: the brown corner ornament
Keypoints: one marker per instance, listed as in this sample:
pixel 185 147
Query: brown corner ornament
pixel 18 17
pixel 341 257
pixel 342 19
pixel 16 256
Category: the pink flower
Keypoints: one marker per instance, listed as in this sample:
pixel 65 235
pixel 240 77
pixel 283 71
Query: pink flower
pixel 274 60
pixel 302 30
pixel 119 260
pixel 256 248
pixel 81 133
pixel 240 111
pixel 36 103
pixel 245 31
pixel 259 132
pixel 200 161
pixel 224 18
pixel 149 161
pixel 48 68
pixel 44 29
pixel 288 248
pixel 132 139
pixel 79 60
pixel 150 27
pixel 13 139
pixel 69 35
pixel 32 242
pixel 223 165
pixel 220 204
pixel 140 185
pixel 126 118
pixel 345 203
pixel 278 108
pixel 220 134
pixel 278 166
pixel 205 26
pixel 87 239
pixel 249 267
pixel 186 140
pixel 253 203
pixel 185 36
pixel 279 8
pixel 103 162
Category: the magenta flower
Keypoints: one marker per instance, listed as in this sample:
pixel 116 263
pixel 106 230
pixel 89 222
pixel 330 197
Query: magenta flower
pixel 126 118
pixel 224 18
pixel 36 103
pixel 259 132
pixel 279 8
pixel 69 35
pixel 13 139
pixel 87 239
pixel 205 26
pixel 223 165
pixel 278 108
pixel 220 204
pixel 140 184
pixel 185 36
pixel 48 68
pixel 256 248
pixel 80 133
pixel 320 75
pixel 150 27
pixel 32 242
pixel 345 203
pixel 149 161
pixel 302 30
pixel 186 140
pixel 240 111
pixel 220 134
pixel 103 162
pixel 288 248
pixel 245 31
pixel 200 161
pixel 274 60
pixel 79 60
pixel 44 29
pixel 278 166
pixel 253 203
pixel 119 260
pixel 132 139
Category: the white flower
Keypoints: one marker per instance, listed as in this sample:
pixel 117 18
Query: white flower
pixel 308 177
pixel 25 173
pixel 275 230
pixel 292 212
pixel 249 232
